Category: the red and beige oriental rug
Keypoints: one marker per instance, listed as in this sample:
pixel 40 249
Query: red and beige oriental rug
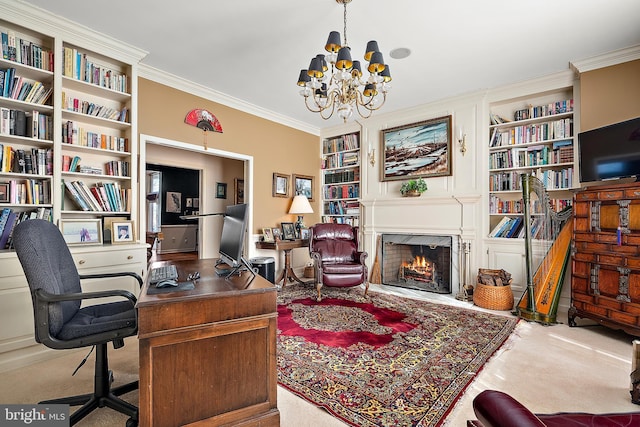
pixel 381 360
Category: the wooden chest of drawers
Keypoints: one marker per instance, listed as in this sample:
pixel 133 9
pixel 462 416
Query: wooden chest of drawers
pixel 605 274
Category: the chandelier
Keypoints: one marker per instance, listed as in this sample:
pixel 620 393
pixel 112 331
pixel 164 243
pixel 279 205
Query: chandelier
pixel 344 89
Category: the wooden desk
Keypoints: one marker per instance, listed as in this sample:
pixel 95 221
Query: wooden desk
pixel 286 246
pixel 208 354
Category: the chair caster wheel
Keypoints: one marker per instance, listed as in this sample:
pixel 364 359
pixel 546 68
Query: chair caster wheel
pixel 132 423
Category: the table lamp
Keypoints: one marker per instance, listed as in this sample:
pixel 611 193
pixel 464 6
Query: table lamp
pixel 299 206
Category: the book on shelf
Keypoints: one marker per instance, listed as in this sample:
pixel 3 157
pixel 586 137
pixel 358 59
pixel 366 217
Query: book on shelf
pixel 515 227
pixel 75 196
pixel 499 226
pixel 8 228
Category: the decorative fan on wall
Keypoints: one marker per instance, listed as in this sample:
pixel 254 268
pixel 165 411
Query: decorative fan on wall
pixel 204 120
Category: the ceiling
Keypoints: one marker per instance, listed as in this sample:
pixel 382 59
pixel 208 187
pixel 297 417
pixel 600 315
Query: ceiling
pixel 253 50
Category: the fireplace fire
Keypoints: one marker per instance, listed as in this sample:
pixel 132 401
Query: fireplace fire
pixel 417 262
pixel 419 269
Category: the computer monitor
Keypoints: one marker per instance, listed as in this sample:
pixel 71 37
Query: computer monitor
pixel 232 238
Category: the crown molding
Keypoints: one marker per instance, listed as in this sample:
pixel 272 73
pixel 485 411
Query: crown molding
pixel 56 26
pixel 196 89
pixel 608 59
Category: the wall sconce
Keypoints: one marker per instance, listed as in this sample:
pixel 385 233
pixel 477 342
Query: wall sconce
pixel 372 156
pixel 462 141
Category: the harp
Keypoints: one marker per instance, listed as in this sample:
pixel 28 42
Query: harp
pixel 539 302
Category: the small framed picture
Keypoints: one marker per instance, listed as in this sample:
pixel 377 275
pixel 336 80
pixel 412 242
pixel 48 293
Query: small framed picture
pixel 221 190
pixel 280 185
pixel 4 192
pixel 267 235
pixel 277 234
pixel 238 191
pixel 81 231
pixel 122 232
pixel 288 231
pixel 106 226
pixel 303 184
pixel 304 233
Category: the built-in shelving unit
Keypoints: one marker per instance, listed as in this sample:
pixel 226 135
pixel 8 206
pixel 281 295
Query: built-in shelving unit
pixel 341 179
pixel 532 135
pixel 74 98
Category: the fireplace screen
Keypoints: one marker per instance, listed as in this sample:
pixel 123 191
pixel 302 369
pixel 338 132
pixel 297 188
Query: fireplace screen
pixel 417 262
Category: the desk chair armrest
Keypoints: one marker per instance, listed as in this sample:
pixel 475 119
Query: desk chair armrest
pixel 119 274
pixel 47 297
pixel 42 299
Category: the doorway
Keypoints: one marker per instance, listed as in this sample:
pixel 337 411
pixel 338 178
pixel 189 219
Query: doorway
pixel 216 167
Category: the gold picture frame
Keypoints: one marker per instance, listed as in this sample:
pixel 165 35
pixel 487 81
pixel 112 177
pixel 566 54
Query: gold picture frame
pixel 417 150
pixel 280 186
pixel 303 184
pixel 122 232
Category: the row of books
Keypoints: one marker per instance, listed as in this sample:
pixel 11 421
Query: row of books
pixel 525 134
pixel 336 177
pixel 351 220
pixel 23 89
pixel 499 206
pixel 341 143
pixel 551 179
pixel 17 49
pixel 513 228
pixel 79 66
pixel 342 207
pixel 557 107
pixel 342 191
pixel 10 218
pixel 37 161
pixel 533 155
pixel 28 191
pixel 101 197
pixel 74 134
pixel 23 123
pixel 77 105
pixel 338 160
pixel 531 112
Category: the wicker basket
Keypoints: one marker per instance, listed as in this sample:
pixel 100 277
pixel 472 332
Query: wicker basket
pixel 493 297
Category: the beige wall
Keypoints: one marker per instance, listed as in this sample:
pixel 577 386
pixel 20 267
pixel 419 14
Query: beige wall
pixel 609 95
pixel 274 147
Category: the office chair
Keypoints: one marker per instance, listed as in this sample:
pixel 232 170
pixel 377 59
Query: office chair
pixel 337 260
pixel 60 322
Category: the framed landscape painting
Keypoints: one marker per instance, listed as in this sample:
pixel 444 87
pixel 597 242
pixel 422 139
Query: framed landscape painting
pixel 417 150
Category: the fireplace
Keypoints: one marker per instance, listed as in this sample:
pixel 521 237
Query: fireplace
pixel 421 262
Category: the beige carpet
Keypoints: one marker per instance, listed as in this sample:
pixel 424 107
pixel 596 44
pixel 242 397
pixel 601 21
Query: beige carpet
pixel 52 379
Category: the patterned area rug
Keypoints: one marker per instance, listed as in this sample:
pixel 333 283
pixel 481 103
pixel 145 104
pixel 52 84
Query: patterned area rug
pixel 381 360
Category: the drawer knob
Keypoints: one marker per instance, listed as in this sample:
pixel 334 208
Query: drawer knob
pixel 130 257
pixel 81 262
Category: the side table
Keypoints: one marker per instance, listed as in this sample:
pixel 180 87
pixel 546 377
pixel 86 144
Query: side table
pixel 285 246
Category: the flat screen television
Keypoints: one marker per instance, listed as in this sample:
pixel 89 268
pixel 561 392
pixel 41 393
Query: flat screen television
pixel 610 152
pixel 232 238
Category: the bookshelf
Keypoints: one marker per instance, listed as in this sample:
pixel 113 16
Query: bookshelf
pixel 61 116
pixel 96 111
pixel 341 179
pixel 26 126
pixel 532 135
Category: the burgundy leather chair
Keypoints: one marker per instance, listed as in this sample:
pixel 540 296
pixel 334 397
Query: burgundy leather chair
pixel 336 258
pixel 497 409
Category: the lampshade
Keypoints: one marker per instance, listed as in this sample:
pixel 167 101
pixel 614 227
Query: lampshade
pixel 344 61
pixel 377 63
pixel 300 205
pixel 333 42
pixel 304 78
pixel 372 46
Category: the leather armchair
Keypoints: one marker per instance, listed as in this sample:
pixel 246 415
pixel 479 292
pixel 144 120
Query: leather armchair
pixel 337 260
pixel 497 409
